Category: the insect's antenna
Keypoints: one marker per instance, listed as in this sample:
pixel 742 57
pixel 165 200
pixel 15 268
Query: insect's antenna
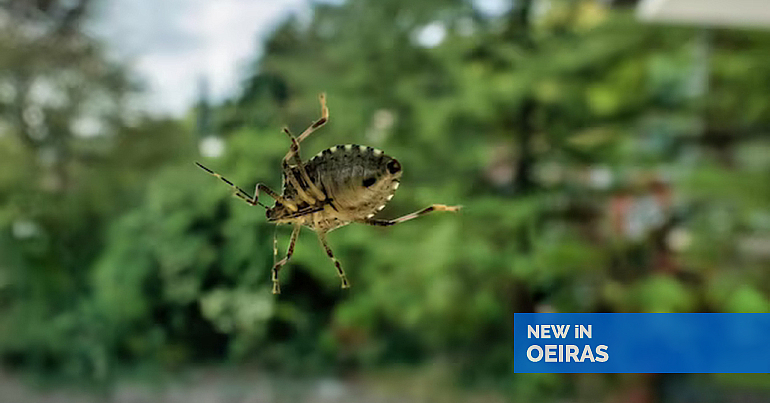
pixel 238 191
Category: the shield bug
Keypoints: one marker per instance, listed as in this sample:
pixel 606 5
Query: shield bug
pixel 340 185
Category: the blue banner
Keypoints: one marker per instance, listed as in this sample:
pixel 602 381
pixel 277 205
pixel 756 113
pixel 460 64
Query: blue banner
pixel 641 343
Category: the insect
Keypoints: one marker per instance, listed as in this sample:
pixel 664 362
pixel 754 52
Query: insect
pixel 341 185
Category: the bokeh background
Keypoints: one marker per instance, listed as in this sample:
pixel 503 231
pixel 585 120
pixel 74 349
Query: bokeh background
pixel 607 162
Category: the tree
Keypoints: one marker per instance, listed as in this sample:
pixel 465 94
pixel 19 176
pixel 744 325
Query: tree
pixel 72 154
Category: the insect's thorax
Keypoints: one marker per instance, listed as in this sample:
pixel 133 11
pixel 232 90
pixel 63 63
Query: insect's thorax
pixel 356 182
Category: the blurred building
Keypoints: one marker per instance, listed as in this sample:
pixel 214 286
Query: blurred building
pixel 718 13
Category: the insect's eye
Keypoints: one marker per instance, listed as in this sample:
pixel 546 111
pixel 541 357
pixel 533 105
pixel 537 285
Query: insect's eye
pixel 393 167
pixel 369 181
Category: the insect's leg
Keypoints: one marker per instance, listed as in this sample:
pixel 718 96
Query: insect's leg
pixel 238 191
pixel 301 191
pixel 431 208
pixel 253 200
pixel 340 272
pixel 275 245
pixel 293 149
pixel 270 192
pixel 318 123
pixel 294 154
pixel 277 266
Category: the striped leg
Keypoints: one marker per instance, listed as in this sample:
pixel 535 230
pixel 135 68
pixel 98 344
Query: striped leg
pixel 318 123
pixel 434 207
pixel 246 197
pixel 340 272
pixel 275 244
pixel 302 192
pixel 280 263
pixel 293 149
pixel 294 155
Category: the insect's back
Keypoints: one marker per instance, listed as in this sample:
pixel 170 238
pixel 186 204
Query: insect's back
pixel 359 180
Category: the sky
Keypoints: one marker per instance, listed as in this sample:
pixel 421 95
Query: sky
pixel 171 44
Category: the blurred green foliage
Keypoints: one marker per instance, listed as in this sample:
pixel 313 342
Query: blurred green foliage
pixel 604 165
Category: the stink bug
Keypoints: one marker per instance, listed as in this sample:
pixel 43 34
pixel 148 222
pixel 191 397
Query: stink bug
pixel 341 185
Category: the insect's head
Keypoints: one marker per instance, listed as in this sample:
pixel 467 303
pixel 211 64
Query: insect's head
pixel 273 213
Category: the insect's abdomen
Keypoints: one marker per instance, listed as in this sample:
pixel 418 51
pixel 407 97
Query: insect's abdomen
pixel 358 179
